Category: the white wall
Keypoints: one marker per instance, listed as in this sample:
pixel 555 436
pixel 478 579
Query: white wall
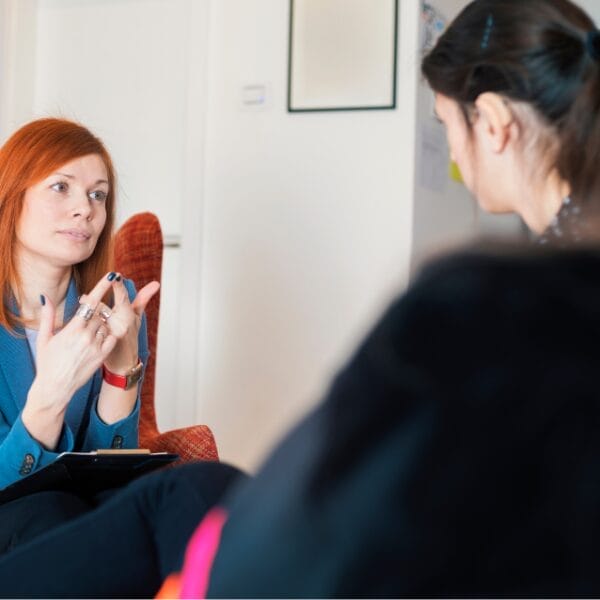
pixel 592 7
pixel 307 230
pixel 18 20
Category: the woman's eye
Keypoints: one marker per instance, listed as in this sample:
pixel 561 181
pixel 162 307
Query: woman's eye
pixel 98 195
pixel 61 186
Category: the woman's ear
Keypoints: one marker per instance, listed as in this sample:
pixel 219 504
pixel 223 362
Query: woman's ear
pixel 496 119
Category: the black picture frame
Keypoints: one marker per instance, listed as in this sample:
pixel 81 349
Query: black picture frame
pixel 294 106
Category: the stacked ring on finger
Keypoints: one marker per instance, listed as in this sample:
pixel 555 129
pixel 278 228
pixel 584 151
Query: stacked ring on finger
pixel 101 333
pixel 85 311
pixel 104 312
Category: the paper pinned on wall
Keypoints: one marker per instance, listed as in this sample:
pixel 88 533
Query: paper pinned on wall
pixel 455 173
pixel 433 23
pixel 433 158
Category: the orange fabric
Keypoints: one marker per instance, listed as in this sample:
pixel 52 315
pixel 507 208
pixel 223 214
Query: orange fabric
pixel 138 248
pixel 170 588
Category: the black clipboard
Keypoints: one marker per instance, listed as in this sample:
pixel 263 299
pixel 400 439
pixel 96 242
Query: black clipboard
pixel 87 473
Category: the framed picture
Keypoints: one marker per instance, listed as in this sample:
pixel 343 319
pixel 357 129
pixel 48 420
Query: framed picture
pixel 342 55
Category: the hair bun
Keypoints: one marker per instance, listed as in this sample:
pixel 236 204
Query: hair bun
pixel 592 44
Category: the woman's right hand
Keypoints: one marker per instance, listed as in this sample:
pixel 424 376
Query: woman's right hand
pixel 65 361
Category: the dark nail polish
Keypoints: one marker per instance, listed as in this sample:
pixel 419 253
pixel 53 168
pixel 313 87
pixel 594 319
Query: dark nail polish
pixel 118 278
pixel 43 299
pixel 111 276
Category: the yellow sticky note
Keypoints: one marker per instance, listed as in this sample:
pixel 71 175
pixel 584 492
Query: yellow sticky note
pixel 455 172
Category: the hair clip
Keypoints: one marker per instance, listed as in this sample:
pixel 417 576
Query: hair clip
pixel 489 25
pixel 592 44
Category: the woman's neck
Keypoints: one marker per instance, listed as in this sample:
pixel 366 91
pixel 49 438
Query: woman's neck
pixel 544 201
pixel 36 280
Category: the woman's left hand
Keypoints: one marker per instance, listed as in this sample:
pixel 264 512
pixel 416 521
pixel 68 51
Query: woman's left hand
pixel 123 321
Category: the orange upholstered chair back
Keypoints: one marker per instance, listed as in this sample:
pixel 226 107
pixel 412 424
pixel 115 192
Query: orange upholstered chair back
pixel 138 256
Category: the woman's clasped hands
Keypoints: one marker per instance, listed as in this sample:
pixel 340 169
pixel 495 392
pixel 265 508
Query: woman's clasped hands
pixel 118 327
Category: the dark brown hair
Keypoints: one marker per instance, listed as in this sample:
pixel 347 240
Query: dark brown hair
pixel 541 52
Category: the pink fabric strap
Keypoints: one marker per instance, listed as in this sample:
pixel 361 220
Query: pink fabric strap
pixel 200 554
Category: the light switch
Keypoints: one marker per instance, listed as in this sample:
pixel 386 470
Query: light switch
pixel 254 96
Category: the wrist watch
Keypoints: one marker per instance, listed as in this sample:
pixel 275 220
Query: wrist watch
pixel 127 381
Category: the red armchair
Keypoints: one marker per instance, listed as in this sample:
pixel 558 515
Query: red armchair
pixel 138 251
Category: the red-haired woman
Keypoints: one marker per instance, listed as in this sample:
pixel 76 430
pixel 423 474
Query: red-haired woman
pixel 56 219
pixel 59 344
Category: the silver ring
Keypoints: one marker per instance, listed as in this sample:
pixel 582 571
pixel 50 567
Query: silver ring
pixel 101 332
pixel 85 311
pixel 104 313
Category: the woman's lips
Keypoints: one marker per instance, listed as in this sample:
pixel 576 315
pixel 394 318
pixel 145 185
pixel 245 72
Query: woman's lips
pixel 76 235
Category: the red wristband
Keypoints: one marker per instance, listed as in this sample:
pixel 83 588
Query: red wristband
pixel 124 382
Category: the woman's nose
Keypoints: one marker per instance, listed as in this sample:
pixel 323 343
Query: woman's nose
pixel 82 207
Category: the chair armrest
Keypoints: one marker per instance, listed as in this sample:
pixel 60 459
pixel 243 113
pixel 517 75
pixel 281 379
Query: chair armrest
pixel 191 443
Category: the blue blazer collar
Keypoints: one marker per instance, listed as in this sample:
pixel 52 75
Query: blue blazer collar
pixel 16 364
pixel 71 301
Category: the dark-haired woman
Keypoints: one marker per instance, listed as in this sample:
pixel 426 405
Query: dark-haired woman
pixel 517 86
